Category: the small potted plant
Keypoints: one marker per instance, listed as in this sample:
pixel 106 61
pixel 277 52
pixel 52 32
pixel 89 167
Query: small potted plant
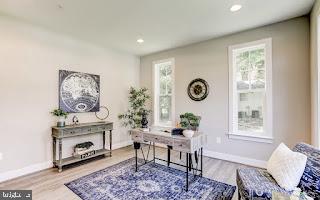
pixel 62 115
pixel 190 123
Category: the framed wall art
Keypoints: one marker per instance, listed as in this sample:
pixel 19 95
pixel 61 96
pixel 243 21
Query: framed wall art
pixel 79 92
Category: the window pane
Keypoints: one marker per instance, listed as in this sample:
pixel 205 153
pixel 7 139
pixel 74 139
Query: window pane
pixel 165 79
pixel 164 108
pixel 250 66
pixel 250 111
pixel 242 62
pixel 257 61
pixel 163 86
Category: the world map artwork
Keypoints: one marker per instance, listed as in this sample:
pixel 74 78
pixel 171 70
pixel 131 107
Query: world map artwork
pixel 79 92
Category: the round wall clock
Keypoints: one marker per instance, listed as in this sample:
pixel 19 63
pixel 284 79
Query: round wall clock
pixel 198 89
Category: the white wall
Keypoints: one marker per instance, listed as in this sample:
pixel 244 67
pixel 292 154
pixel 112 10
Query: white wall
pixel 209 60
pixel 30 58
pixel 314 54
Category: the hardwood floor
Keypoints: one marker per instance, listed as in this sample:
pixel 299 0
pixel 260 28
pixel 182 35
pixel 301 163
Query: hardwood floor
pixel 49 184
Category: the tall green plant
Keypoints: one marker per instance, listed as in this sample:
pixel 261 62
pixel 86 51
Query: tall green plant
pixel 137 106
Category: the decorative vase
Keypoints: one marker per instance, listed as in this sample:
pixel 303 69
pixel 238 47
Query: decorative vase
pixel 144 122
pixel 188 133
pixel 61 122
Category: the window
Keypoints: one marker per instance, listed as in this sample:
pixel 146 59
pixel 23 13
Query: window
pixel 250 91
pixel 163 89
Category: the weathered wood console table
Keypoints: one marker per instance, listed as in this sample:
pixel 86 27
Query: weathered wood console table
pixel 58 133
pixel 193 145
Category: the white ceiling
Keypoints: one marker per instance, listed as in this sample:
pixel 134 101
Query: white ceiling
pixel 163 24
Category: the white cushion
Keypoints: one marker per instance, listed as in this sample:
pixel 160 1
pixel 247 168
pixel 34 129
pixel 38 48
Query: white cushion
pixel 286 167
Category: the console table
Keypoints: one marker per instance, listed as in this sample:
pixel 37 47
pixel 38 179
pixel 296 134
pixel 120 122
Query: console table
pixel 59 133
pixel 180 143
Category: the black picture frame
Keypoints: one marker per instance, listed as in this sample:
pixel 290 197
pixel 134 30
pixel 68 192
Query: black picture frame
pixel 79 92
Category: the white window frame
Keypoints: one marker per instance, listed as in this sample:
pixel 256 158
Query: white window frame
pixel 267 136
pixel 155 86
pixel 317 124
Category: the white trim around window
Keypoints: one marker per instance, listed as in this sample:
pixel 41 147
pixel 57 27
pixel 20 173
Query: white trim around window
pixel 266 134
pixel 156 93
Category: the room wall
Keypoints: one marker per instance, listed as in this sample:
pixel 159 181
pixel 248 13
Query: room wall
pixel 209 60
pixel 30 58
pixel 314 54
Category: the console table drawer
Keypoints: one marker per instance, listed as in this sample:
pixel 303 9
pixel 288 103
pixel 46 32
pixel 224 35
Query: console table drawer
pixel 68 132
pixel 91 129
pixel 158 139
pixel 182 145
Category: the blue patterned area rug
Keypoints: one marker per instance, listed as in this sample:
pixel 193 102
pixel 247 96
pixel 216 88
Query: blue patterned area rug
pixel 152 181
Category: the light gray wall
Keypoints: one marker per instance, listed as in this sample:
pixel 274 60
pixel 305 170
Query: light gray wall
pixel 30 58
pixel 209 60
pixel 314 56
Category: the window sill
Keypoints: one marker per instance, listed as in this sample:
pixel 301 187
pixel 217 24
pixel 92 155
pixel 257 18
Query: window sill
pixel 262 139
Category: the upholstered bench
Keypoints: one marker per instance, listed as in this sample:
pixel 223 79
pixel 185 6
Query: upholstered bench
pixel 258 184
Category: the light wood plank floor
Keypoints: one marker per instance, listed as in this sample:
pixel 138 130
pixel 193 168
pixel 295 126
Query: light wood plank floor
pixel 49 184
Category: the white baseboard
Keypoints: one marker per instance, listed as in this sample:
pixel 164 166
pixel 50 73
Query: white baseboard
pixel 24 171
pixel 122 144
pixel 236 159
pixel 45 165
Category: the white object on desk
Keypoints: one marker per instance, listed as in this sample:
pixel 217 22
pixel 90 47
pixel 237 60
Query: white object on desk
pixel 188 133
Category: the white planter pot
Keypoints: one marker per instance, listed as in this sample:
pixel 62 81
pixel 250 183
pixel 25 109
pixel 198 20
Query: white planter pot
pixel 61 122
pixel 61 119
pixel 188 133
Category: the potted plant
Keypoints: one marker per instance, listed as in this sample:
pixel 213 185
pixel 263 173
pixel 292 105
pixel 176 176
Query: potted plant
pixel 62 115
pixel 136 115
pixel 190 123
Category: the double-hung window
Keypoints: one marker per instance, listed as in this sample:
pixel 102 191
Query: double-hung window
pixel 250 91
pixel 163 92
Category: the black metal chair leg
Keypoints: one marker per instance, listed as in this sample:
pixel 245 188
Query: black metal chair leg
pixel 201 161
pixel 190 161
pixel 169 153
pixel 187 171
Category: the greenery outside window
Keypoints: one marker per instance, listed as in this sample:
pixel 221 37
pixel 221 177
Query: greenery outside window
pixel 163 89
pixel 250 91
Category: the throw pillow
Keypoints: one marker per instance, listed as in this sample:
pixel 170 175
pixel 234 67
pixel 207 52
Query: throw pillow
pixel 286 167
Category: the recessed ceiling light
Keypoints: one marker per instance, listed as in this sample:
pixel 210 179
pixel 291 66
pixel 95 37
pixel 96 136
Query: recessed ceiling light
pixel 140 40
pixel 235 8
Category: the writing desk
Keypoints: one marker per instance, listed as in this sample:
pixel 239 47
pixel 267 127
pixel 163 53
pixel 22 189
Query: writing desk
pixel 193 145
